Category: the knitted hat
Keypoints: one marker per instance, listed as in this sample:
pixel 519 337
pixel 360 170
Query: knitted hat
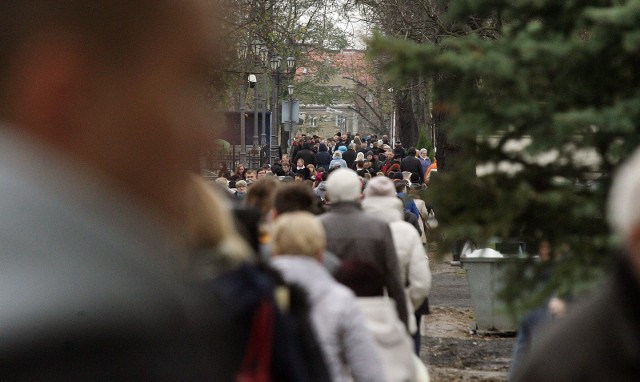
pixel 380 186
pixel 398 176
pixel 342 149
pixel 343 185
pixel 360 157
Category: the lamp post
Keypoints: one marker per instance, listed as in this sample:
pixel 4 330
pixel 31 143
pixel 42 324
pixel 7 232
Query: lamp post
pixel 291 65
pixel 242 52
pixel 256 46
pixel 276 64
pixel 264 55
pixel 290 92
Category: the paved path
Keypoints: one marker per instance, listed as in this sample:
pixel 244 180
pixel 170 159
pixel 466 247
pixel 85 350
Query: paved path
pixel 449 349
pixel 450 286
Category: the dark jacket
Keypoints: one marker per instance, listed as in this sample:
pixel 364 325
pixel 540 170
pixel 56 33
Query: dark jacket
pixel 323 158
pixel 307 155
pixel 596 341
pixel 413 165
pixel 351 233
pixel 349 156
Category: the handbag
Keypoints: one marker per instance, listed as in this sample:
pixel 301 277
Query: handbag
pixel 432 222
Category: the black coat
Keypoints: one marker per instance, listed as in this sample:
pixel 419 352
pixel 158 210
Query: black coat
pixel 323 159
pixel 307 155
pixel 349 156
pixel 413 165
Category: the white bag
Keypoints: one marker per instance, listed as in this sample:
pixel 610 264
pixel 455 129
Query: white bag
pixel 432 222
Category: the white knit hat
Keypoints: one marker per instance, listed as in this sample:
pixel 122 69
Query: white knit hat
pixel 343 185
pixel 380 186
pixel 360 157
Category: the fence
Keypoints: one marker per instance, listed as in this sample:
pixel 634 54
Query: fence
pixel 231 157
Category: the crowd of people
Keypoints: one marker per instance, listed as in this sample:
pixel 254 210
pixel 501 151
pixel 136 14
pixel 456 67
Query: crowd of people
pixel 119 264
pixel 353 238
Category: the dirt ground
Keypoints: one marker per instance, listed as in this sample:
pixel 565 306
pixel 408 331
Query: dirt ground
pixel 450 348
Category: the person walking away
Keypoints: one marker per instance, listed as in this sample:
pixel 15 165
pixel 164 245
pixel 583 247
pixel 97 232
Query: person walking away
pixel 337 159
pixel 306 154
pixel 380 200
pixel 352 233
pixel 349 348
pixel 349 156
pixel 412 164
pixel 323 158
pixel 399 361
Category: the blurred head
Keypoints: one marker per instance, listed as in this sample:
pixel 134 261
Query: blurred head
pixel 343 185
pixel 337 155
pixel 261 173
pixel 298 233
pixel 209 224
pixel 286 166
pixel 261 193
pixel 423 153
pixel 300 162
pixel 119 86
pixel 295 197
pixel 380 186
pixel 363 277
pixel 624 207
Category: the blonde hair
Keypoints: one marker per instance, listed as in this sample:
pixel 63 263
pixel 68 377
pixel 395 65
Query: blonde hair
pixel 298 233
pixel 210 229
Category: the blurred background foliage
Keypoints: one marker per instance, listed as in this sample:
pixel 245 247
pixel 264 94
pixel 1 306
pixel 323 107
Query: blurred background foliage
pixel 540 100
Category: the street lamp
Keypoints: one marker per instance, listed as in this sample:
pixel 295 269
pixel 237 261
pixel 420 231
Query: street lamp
pixel 275 63
pixel 256 46
pixel 264 60
pixel 291 63
pixel 290 92
pixel 242 55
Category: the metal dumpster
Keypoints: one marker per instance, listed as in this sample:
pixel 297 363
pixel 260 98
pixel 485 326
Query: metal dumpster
pixel 485 276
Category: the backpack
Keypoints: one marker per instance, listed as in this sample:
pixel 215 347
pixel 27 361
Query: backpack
pixel 279 343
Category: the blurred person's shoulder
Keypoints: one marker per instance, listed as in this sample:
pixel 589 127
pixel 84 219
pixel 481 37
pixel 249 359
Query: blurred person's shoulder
pixel 598 340
pixel 87 275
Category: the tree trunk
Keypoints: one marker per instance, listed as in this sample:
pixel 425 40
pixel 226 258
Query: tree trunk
pixel 406 119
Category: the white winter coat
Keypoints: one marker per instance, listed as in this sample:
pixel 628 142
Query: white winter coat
pixel 414 263
pixel 394 343
pixel 349 347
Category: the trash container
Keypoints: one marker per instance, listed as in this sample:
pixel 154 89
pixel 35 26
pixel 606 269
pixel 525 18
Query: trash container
pixel 486 279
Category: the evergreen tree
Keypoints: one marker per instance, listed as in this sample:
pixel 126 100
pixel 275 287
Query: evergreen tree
pixel 544 113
